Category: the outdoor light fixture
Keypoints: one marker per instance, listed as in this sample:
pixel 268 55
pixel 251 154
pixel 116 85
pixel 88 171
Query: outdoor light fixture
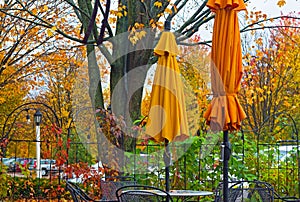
pixel 27 117
pixel 37 117
pixel 109 108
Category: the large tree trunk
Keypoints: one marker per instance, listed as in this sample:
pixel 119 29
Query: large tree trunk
pixel 131 57
pixel 95 86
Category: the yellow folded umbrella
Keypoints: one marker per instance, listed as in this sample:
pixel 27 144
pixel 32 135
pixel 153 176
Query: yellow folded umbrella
pixel 167 115
pixel 167 120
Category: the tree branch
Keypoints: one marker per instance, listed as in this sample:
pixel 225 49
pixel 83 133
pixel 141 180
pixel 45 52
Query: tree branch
pixel 91 25
pixel 269 27
pixel 104 23
pixel 266 20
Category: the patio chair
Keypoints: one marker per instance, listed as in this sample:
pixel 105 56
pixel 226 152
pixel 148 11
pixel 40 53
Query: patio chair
pixel 141 193
pixel 286 198
pixel 78 195
pixel 109 189
pixel 240 191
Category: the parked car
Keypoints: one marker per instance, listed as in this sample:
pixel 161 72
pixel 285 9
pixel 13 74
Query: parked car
pixel 47 166
pixel 15 164
pixel 7 161
pixel 4 160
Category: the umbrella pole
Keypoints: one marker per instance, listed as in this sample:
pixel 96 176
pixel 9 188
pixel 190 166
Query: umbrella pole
pixel 167 178
pixel 167 160
pixel 227 150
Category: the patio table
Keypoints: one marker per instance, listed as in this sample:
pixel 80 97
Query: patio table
pixel 187 194
pixel 184 195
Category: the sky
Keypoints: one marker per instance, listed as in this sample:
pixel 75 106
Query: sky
pixel 268 7
pixel 271 8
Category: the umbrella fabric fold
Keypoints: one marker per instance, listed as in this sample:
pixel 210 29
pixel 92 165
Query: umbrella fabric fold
pixel 225 111
pixel 220 4
pixel 167 116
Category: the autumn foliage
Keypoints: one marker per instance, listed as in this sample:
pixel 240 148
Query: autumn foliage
pixel 50 52
pixel 271 82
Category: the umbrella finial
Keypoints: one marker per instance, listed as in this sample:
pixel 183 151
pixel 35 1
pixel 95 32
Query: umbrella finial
pixel 167 25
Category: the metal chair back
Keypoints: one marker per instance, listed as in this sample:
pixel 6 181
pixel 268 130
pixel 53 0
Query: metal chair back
pixel 141 193
pixel 108 189
pixel 78 195
pixel 240 191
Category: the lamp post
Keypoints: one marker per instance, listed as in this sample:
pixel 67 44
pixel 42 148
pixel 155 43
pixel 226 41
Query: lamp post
pixel 37 120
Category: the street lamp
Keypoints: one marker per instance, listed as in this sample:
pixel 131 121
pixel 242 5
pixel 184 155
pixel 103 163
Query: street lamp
pixel 27 116
pixel 37 120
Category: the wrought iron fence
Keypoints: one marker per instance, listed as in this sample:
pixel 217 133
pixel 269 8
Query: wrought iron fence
pixel 197 167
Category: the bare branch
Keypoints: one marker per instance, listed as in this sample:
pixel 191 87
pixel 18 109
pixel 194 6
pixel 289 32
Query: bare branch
pixel 269 27
pixel 266 20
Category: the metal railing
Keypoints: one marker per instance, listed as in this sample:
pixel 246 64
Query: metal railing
pixel 276 164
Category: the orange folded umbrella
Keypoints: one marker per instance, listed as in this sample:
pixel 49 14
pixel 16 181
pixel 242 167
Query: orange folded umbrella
pixel 225 111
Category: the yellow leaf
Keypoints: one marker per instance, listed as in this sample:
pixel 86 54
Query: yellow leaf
pixel 281 3
pixel 286 104
pixel 69 121
pixel 141 34
pixel 250 101
pixel 49 32
pixel 119 15
pixel 167 10
pixel 46 8
pixel 2 100
pixel 133 40
pixel 259 41
pixel 136 25
pixel 34 11
pixel 159 15
pixel 158 4
pixel 65 113
pixel 160 24
pixel 112 20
